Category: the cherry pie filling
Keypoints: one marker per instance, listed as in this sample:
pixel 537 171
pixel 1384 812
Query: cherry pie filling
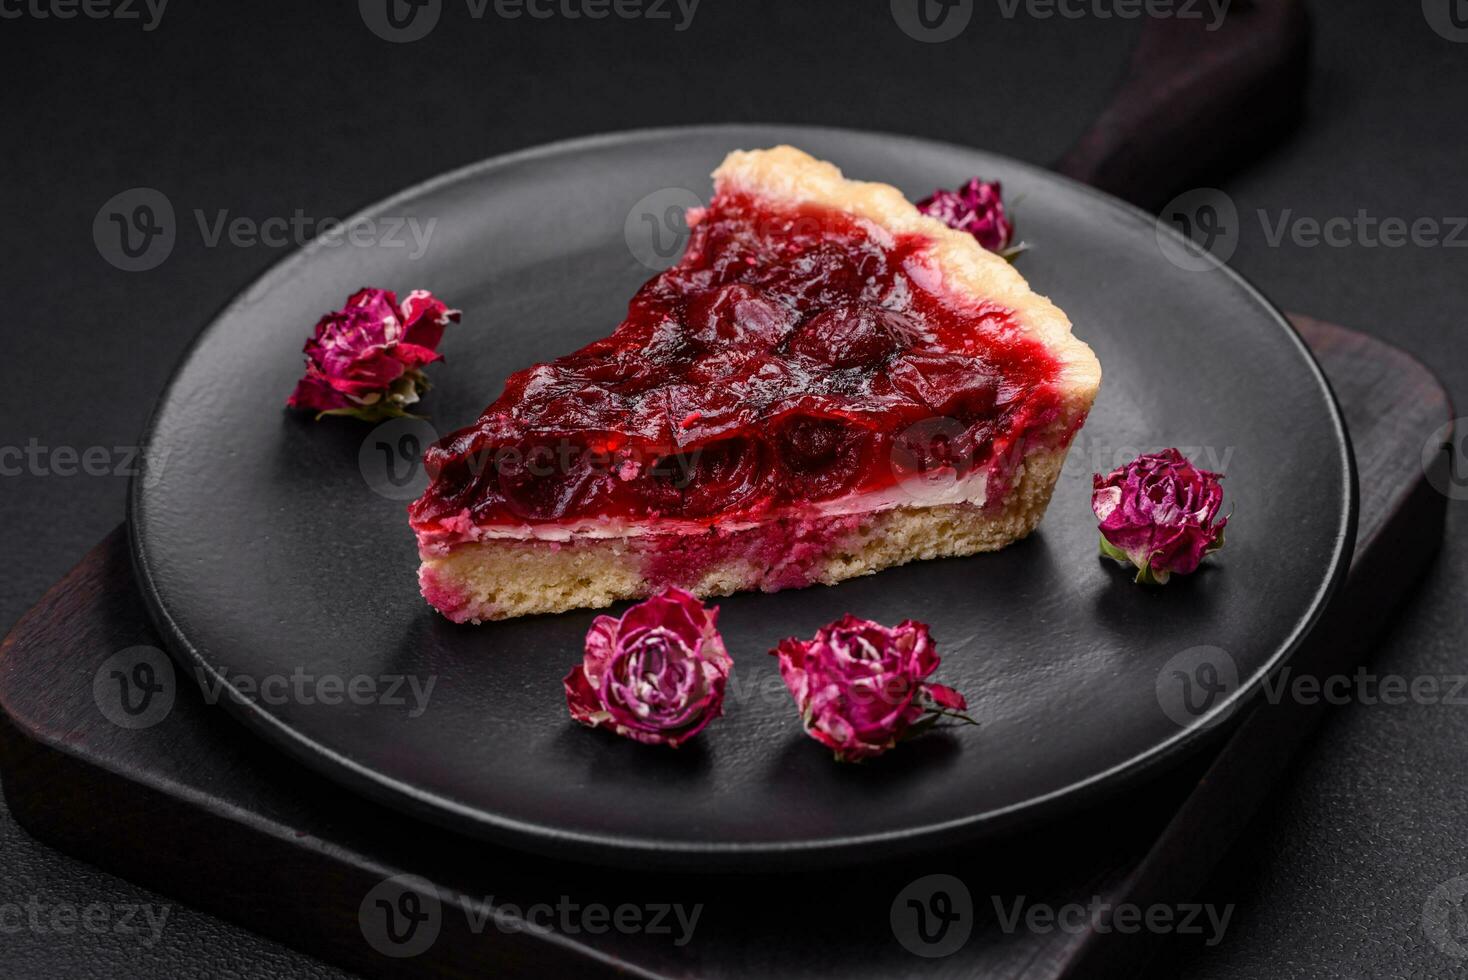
pixel 792 357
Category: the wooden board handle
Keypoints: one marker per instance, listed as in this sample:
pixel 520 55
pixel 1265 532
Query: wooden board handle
pixel 1200 97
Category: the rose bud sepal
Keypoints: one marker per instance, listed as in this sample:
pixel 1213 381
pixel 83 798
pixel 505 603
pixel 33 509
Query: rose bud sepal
pixel 1159 514
pixel 1147 575
pixel 402 393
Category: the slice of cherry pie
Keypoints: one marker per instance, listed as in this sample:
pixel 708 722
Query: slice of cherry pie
pixel 827 384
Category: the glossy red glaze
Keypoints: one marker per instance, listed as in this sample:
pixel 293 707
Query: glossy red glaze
pixel 785 360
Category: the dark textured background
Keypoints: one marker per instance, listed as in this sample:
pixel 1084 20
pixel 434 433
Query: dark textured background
pixel 267 107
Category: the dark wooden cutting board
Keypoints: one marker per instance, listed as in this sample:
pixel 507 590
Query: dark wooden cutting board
pixel 196 808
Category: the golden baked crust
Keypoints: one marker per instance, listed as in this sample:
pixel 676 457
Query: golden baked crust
pixel 491 580
pixel 784 174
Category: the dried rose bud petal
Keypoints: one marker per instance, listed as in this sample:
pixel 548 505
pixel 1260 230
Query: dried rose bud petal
pixel 861 686
pixel 656 675
pixel 977 208
pixel 1159 513
pixel 366 359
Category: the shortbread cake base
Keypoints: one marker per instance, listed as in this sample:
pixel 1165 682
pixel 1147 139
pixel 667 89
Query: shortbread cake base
pixel 501 579
pixel 487 557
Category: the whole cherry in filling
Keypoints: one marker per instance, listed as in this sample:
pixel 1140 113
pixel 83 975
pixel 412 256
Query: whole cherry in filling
pixel 787 360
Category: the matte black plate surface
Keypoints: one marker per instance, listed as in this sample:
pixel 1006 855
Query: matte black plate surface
pixel 275 549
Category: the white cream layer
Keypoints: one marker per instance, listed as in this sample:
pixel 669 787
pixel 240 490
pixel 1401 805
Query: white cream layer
pixel 940 488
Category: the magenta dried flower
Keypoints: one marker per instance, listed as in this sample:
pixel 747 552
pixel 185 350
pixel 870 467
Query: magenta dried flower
pixel 366 359
pixel 977 208
pixel 861 686
pixel 1159 513
pixel 656 675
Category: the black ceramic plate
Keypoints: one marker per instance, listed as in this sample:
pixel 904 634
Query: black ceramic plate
pixel 275 553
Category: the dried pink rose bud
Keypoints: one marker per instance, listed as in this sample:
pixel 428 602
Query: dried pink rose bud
pixel 1159 513
pixel 366 359
pixel 861 686
pixel 977 208
pixel 656 675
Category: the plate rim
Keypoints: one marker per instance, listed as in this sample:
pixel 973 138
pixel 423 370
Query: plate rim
pixel 631 851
